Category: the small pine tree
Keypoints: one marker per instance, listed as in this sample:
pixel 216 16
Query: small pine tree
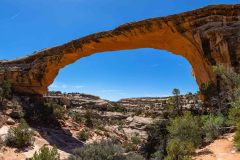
pixel 176 93
pixel 186 128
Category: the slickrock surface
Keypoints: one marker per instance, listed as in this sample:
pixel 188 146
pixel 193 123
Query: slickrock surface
pixel 78 100
pixel 205 37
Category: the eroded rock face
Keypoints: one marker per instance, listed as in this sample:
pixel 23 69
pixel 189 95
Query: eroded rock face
pixel 205 37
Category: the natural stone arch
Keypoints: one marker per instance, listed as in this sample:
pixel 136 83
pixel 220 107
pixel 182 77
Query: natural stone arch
pixel 205 37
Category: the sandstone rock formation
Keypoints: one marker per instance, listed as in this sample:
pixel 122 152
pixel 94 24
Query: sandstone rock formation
pixel 205 37
pixel 153 104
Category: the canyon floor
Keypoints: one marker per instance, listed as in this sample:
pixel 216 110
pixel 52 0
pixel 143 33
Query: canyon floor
pixel 220 149
pixel 123 120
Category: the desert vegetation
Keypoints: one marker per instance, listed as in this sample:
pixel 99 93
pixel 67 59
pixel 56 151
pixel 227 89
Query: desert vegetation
pixel 20 136
pixel 178 135
pixel 105 149
pixel 46 153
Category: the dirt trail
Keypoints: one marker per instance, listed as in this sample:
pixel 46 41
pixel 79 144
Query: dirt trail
pixel 221 149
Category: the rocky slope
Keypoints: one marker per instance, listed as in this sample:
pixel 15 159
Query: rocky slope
pixel 205 37
pixel 109 122
pixel 125 117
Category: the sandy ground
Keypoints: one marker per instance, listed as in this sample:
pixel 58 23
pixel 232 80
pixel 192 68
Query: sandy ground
pixel 7 153
pixel 221 149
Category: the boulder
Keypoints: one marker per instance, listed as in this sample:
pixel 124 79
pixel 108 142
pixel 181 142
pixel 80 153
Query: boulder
pixel 10 121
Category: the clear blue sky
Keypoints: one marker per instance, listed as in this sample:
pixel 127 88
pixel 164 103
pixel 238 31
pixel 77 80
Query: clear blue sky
pixel 30 25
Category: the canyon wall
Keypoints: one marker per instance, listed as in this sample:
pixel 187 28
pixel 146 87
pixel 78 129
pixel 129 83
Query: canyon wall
pixel 205 37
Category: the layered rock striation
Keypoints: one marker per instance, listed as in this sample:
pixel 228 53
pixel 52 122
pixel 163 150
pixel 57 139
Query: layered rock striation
pixel 205 37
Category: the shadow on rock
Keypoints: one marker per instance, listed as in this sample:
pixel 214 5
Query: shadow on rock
pixel 60 138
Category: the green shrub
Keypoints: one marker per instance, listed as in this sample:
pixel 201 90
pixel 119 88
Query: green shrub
pixel 138 112
pixel 129 146
pixel 205 86
pixel 157 138
pixel 186 128
pixel 46 153
pixel 182 158
pixel 128 156
pixel 104 150
pixel 132 156
pixel 157 156
pixel 100 125
pixel 117 108
pixel 212 126
pixel 6 89
pixel 136 140
pixel 76 116
pixel 234 113
pixel 17 114
pixel 170 107
pixel 83 135
pixel 179 150
pixel 219 69
pixel 59 112
pixel 229 80
pixel 237 137
pixel 88 119
pixel 20 136
pixel 53 110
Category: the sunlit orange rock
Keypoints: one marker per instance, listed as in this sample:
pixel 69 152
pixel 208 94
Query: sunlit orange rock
pixel 205 37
